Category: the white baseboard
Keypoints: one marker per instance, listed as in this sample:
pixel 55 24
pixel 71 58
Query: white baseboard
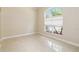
pixel 13 36
pixel 66 41
pixel 26 34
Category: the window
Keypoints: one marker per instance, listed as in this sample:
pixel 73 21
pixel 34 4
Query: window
pixel 54 20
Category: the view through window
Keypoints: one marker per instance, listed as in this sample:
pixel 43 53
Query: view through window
pixel 54 20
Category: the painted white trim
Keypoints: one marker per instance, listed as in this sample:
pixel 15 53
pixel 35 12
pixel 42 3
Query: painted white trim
pixel 26 34
pixel 13 36
pixel 66 41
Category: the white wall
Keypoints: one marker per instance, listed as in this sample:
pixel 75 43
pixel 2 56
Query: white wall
pixel 71 24
pixel 17 20
pixel 70 27
pixel 0 22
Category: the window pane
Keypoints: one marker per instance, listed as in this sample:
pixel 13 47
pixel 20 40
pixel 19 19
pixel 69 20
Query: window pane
pixel 54 20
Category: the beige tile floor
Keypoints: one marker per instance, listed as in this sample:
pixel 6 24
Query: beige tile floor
pixel 35 43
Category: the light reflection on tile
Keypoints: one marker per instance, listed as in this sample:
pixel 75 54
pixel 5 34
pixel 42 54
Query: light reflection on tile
pixel 54 46
pixel 35 43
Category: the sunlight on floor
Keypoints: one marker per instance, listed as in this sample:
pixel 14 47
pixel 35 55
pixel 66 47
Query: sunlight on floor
pixel 35 43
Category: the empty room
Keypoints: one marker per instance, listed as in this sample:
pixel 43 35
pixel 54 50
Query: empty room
pixel 39 29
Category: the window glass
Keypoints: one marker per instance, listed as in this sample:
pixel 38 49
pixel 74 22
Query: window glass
pixel 54 20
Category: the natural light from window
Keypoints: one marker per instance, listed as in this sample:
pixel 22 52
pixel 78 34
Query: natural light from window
pixel 54 20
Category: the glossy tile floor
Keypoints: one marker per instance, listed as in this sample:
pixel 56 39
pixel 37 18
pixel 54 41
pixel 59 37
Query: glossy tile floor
pixel 35 43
